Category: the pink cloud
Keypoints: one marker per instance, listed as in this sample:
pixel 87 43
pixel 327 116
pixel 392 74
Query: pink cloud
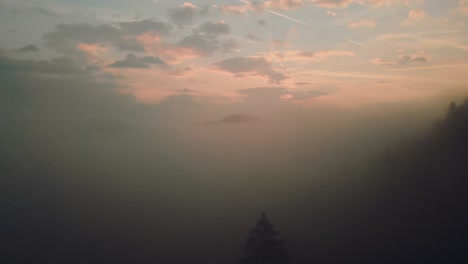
pixel 251 66
pixel 94 52
pixel 150 41
pixel 332 3
pixel 417 14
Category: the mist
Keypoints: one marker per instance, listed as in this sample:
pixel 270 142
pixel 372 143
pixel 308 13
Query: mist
pixel 91 175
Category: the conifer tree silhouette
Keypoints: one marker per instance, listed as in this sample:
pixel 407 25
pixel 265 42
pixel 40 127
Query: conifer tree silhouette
pixel 263 246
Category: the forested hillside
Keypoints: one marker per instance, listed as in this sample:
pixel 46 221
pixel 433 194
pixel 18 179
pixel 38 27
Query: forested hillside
pixel 413 206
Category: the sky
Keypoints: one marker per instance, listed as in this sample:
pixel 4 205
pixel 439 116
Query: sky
pixel 345 53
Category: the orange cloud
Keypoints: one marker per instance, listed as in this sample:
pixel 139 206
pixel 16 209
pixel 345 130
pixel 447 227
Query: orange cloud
pixel 233 10
pixel 189 5
pixel 284 4
pixel 464 6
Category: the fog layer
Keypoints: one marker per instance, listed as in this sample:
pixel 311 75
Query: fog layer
pixel 89 175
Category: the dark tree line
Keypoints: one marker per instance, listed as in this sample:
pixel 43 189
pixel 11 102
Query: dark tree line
pixel 417 197
pixel 409 206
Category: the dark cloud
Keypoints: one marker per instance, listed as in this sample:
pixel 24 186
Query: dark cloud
pixel 205 40
pixel 403 60
pixel 183 15
pixel 200 44
pixel 187 13
pixel 153 60
pixel 66 37
pixel 132 61
pixel 139 27
pixel 130 44
pixel 259 66
pixel 45 11
pixel 420 59
pixel 229 45
pixel 204 10
pixel 407 59
pixel 213 29
pixel 61 66
pixel 28 48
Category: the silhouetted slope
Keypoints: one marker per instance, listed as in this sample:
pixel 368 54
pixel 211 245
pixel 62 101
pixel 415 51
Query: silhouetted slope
pixel 410 206
pixel 419 192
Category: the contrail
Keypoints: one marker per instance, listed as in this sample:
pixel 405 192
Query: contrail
pixel 306 24
pixel 287 17
pixel 352 41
